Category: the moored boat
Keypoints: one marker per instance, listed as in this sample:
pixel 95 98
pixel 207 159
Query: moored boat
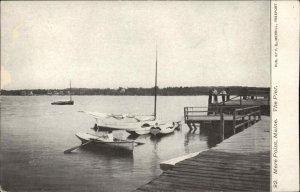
pixel 103 142
pixel 163 129
pixel 139 128
pixel 70 102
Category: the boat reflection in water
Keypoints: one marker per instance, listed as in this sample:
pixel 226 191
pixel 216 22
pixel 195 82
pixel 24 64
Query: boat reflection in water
pixel 107 151
pixel 158 138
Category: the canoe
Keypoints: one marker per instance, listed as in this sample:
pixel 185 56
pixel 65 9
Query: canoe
pixel 102 142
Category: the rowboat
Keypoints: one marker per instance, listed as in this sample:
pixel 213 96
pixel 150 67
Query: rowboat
pixel 102 142
pixel 164 129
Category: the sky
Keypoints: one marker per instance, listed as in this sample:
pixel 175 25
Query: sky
pixel 100 44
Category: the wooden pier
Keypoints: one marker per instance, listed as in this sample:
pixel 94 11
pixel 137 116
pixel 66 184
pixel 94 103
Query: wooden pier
pixel 239 163
pixel 222 117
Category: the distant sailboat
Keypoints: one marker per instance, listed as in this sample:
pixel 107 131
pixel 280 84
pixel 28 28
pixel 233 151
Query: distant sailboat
pixel 70 102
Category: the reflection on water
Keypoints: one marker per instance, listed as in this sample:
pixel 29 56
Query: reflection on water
pixel 35 133
pixel 106 152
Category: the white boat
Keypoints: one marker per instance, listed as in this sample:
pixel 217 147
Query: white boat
pixel 103 142
pixel 140 124
pixel 132 124
pixel 139 128
pixel 163 129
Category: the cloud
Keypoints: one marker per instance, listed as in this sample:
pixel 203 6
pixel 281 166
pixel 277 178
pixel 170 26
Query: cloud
pixel 5 77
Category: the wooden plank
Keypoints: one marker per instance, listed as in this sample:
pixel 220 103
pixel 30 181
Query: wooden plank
pixel 166 186
pixel 255 170
pixel 223 183
pixel 241 183
pixel 229 169
pixel 171 163
pixel 209 173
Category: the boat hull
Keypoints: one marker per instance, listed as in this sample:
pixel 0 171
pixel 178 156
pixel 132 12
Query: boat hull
pixel 63 103
pixel 117 144
pixel 164 129
pixel 139 128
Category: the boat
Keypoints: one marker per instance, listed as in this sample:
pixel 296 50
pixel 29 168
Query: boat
pixel 70 102
pixel 133 124
pixel 63 103
pixel 102 141
pixel 164 129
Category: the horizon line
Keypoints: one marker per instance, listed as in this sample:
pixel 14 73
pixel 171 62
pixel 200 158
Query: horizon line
pixel 131 87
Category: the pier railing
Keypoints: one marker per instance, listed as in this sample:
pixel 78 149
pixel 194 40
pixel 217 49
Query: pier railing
pixel 198 112
pixel 237 112
pixel 240 115
pixel 248 95
pixel 241 99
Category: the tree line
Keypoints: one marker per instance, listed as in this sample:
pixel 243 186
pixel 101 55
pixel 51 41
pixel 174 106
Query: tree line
pixel 167 91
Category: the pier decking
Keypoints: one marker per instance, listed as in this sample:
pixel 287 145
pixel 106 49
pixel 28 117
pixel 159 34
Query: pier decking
pixel 239 163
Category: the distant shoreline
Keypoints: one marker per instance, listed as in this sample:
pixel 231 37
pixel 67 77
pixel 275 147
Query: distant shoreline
pixel 169 91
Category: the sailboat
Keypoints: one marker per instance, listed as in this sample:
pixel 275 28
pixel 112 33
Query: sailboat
pixel 70 102
pixel 133 124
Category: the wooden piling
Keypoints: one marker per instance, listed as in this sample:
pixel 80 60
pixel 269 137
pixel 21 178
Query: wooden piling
pixel 190 126
pixel 194 126
pixel 234 121
pixel 222 126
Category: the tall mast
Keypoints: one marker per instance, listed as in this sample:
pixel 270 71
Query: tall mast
pixel 70 92
pixel 155 87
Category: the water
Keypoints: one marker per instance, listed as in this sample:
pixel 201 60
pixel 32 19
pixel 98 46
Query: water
pixel 35 133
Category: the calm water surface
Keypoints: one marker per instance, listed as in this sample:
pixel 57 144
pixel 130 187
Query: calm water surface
pixel 35 133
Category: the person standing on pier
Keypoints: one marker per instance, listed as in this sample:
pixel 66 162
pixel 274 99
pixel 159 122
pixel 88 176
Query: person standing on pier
pixel 223 94
pixel 210 96
pixel 245 93
pixel 228 95
pixel 215 94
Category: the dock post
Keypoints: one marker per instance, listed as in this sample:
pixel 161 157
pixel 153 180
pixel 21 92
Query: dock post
pixel 243 120
pixel 194 126
pixel 222 126
pixel 185 114
pixel 199 127
pixel 190 126
pixel 259 114
pixel 233 121
pixel 249 120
